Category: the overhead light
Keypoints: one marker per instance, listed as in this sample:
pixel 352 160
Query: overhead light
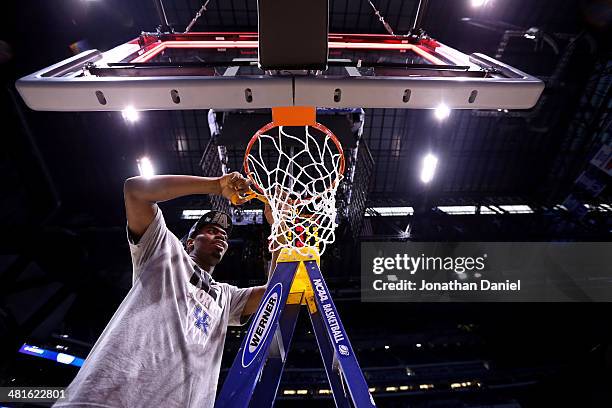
pixel 442 111
pixel 517 209
pixel 193 214
pixel 430 162
pixel 389 211
pixel 484 210
pixel 479 3
pixel 130 114
pixel 182 145
pixel 145 167
pixel 532 33
pixel 418 345
pixel 458 209
pixel 386 347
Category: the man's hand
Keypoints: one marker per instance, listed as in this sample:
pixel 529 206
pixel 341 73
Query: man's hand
pixel 232 186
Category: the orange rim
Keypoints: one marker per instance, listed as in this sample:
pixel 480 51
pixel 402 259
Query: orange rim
pixel 294 116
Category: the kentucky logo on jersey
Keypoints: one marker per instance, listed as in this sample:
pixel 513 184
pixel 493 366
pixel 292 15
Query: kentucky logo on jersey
pixel 202 319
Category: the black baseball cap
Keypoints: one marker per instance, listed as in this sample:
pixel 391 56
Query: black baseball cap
pixel 218 218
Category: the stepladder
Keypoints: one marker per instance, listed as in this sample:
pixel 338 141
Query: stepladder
pixel 255 375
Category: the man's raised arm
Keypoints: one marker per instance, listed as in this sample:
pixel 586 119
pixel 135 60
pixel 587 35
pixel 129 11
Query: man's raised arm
pixel 142 193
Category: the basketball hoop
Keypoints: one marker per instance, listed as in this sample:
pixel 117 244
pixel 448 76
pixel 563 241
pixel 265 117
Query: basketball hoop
pixel 297 175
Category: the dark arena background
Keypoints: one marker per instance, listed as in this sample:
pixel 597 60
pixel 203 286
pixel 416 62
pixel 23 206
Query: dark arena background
pixel 502 176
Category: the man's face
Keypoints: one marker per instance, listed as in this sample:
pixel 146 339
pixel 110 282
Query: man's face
pixel 209 245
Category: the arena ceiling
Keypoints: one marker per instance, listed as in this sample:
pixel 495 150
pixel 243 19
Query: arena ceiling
pixel 521 157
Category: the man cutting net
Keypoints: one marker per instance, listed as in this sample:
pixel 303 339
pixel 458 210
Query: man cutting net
pixel 163 346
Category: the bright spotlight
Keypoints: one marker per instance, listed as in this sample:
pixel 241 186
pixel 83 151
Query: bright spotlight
pixel 479 3
pixel 430 162
pixel 442 111
pixel 145 167
pixel 130 114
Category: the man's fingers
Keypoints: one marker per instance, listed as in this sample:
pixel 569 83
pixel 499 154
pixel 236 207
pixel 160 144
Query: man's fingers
pixel 241 183
pixel 245 181
pixel 234 177
pixel 243 190
pixel 238 181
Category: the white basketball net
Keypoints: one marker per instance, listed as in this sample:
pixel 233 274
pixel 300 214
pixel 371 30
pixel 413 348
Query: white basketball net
pixel 299 177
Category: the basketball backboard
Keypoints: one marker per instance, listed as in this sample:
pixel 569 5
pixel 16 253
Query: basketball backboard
pixel 220 71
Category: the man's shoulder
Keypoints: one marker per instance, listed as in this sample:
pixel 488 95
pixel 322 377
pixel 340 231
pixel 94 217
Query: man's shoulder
pixel 226 288
pixel 221 285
